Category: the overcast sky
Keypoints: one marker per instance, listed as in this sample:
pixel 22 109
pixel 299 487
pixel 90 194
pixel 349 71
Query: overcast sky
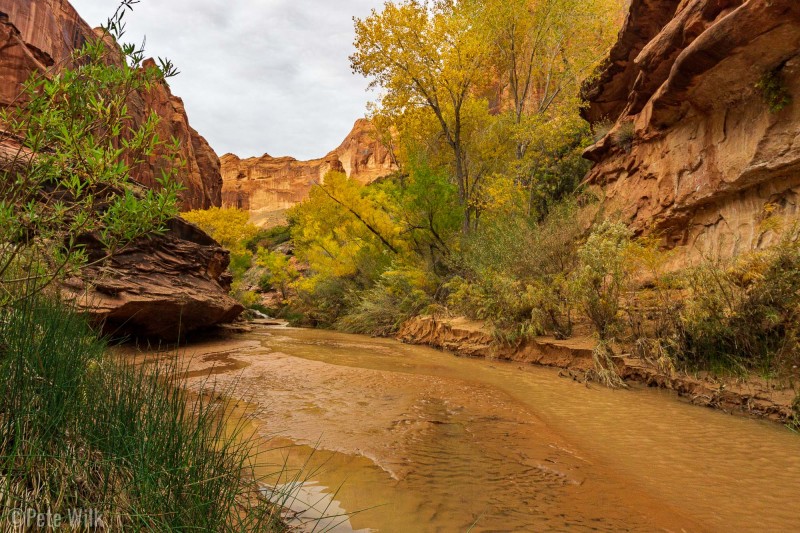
pixel 257 76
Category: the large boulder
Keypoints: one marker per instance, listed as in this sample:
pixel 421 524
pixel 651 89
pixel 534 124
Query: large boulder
pixel 695 152
pixel 165 286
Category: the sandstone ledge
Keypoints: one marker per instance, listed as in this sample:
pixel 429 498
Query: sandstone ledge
pixel 707 154
pixel 164 287
pixel 468 338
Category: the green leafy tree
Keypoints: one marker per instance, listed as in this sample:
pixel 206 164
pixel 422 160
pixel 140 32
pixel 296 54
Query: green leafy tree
pixel 543 51
pixel 430 64
pixel 66 154
pixel 282 271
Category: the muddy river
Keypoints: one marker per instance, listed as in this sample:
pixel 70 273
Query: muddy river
pixel 375 435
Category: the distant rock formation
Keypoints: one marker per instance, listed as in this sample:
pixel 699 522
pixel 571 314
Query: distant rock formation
pixel 267 186
pixel 163 286
pixel 694 151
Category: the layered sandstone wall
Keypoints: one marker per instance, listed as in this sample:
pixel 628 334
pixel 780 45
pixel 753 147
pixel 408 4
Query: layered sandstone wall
pixel 267 186
pixel 40 35
pixel 695 152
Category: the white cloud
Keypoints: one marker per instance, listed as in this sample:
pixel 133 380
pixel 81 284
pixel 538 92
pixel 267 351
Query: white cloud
pixel 256 75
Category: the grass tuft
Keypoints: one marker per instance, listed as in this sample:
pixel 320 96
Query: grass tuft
pixel 82 430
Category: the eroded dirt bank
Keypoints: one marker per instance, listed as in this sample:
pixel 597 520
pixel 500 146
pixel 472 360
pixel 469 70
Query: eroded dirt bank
pixel 468 338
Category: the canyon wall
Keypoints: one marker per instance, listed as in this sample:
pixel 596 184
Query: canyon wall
pixel 697 151
pixel 40 35
pixel 267 186
pixel 163 286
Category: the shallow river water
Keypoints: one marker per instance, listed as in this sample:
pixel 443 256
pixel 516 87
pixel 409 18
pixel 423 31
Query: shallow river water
pixel 409 439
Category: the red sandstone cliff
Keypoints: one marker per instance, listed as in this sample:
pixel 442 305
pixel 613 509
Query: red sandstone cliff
pixel 36 35
pixel 267 186
pixel 163 286
pixel 201 176
pixel 695 152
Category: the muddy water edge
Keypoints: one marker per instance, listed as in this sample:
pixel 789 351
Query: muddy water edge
pixel 408 438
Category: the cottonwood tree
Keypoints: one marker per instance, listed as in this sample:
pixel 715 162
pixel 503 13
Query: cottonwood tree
pixel 66 154
pixel 428 57
pixel 339 220
pixel 543 51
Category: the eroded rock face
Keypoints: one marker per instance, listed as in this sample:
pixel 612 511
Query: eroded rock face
pixel 267 186
pixel 162 287
pixel 707 153
pixel 363 156
pixel 165 286
pixel 36 35
pixel 201 177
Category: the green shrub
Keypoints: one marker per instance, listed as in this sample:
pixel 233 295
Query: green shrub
pixel 249 299
pixel 598 285
pixel 601 129
pixel 553 306
pixel 653 306
pixel 268 239
pixel 601 277
pixel 241 261
pixel 321 300
pixel 774 91
pixel 514 272
pixel 625 135
pixel 492 296
pixel 745 316
pixel 400 294
pixel 794 422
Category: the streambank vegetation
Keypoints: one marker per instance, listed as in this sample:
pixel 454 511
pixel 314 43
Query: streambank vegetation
pixel 110 444
pixel 88 441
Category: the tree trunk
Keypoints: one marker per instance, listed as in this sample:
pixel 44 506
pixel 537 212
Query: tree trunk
pixel 463 188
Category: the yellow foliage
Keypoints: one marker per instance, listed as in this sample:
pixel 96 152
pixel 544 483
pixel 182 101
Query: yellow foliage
pixel 439 64
pixel 430 64
pixel 282 270
pixel 501 196
pixel 230 227
pixel 340 223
